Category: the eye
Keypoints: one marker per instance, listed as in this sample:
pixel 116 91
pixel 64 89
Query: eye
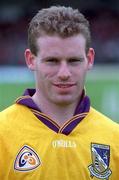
pixel 52 61
pixel 75 60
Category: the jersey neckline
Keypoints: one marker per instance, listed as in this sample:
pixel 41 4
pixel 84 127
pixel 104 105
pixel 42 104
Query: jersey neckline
pixel 80 113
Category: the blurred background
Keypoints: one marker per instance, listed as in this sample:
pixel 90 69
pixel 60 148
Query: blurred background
pixel 102 83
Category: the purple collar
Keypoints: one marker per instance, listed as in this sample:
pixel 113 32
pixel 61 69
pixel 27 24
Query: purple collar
pixel 81 111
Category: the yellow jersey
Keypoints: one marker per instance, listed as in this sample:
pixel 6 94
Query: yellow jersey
pixel 34 147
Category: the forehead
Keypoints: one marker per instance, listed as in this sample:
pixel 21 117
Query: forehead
pixel 58 45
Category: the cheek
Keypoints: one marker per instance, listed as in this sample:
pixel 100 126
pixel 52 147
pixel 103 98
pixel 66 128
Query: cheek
pixel 49 71
pixel 80 76
pixel 45 73
pixel 79 71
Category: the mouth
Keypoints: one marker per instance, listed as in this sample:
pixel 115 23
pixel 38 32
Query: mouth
pixel 64 85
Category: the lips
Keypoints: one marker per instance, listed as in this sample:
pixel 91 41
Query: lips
pixel 64 85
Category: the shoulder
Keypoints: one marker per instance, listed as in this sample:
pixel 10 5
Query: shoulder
pixel 12 110
pixel 103 121
pixel 12 115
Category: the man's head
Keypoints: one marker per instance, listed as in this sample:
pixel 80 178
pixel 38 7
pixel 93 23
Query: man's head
pixel 61 21
pixel 60 54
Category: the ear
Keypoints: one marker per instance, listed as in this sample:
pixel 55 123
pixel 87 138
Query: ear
pixel 90 57
pixel 30 59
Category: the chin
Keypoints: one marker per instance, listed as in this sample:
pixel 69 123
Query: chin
pixel 64 102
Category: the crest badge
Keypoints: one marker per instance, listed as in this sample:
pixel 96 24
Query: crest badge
pixel 27 159
pixel 100 161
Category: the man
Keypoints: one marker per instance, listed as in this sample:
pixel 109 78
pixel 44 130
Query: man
pixel 52 132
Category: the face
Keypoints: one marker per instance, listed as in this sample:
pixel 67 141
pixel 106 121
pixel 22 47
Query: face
pixel 60 68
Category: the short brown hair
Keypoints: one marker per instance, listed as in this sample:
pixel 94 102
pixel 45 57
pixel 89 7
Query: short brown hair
pixel 60 20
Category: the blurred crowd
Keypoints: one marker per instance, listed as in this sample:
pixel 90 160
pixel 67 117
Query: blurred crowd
pixel 105 33
pixel 104 27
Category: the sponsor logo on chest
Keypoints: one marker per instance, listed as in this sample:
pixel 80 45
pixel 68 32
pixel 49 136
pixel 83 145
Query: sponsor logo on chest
pixel 60 143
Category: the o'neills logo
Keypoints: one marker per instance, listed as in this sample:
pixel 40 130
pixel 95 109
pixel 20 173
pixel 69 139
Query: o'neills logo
pixel 100 161
pixel 63 144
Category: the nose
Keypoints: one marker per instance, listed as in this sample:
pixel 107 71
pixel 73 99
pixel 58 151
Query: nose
pixel 64 71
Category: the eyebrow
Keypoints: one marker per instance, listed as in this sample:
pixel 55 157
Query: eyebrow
pixel 58 57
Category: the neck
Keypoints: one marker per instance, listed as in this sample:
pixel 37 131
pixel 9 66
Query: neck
pixel 59 113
